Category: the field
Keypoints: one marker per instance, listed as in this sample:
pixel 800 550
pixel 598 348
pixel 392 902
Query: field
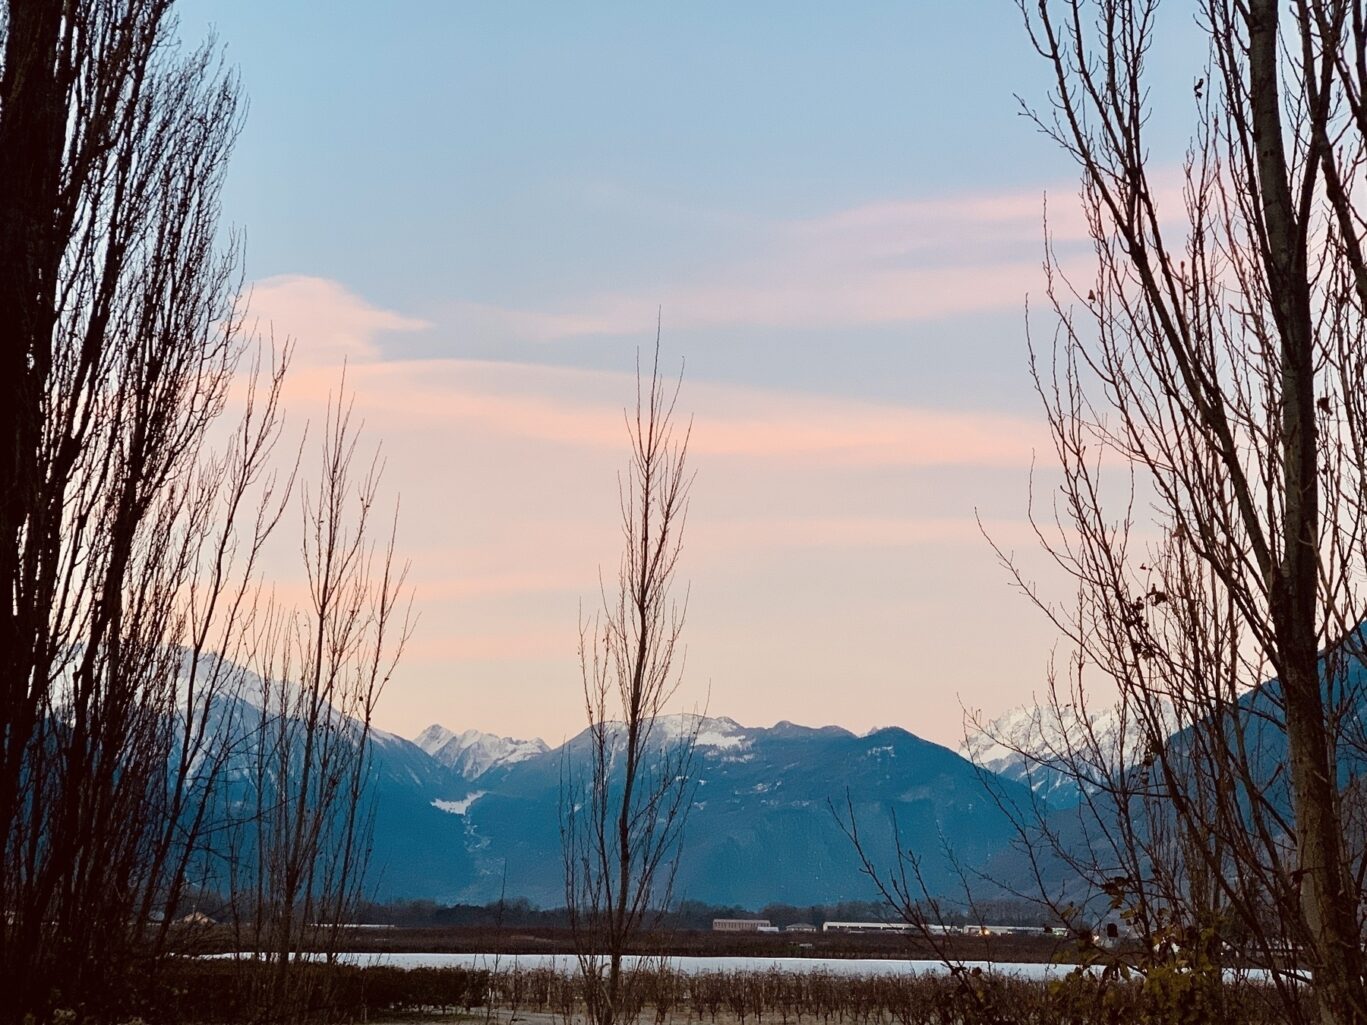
pixel 221 991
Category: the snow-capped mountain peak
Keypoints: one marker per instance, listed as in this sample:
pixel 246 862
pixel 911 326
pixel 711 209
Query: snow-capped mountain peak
pixel 434 738
pixel 1036 745
pixel 474 752
pixel 710 731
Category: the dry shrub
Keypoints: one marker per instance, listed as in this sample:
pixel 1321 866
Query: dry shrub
pixel 213 991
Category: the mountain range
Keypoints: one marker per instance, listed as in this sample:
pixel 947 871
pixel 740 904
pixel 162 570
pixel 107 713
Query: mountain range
pixel 467 816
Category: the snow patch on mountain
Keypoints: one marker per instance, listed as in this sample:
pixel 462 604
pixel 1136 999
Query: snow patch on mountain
pixel 720 733
pixel 711 732
pixel 459 807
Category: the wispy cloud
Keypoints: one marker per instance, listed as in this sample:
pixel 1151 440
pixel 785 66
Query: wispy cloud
pixel 567 407
pixel 878 263
pixel 328 323
pixel 905 226
pixel 727 537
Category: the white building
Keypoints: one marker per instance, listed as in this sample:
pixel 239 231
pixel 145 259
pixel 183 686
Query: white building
pixel 742 925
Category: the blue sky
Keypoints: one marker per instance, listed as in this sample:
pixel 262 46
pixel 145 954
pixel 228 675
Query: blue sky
pixel 837 209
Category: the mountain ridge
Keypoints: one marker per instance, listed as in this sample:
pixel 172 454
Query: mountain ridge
pixel 461 817
pixel 473 753
pixel 764 823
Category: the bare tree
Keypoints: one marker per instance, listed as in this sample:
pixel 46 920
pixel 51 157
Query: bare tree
pixel 1216 361
pixel 132 516
pixel 622 814
pixel 120 339
pixel 302 836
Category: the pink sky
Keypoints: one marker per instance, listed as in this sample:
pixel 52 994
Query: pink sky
pixel 837 569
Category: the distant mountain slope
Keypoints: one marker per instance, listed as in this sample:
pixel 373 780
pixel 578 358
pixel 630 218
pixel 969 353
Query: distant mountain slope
pixel 457 813
pixel 415 845
pixel 764 822
pixel 1260 721
pixel 454 812
pixel 1045 736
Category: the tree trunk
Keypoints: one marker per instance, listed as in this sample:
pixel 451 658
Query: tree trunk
pixel 1329 913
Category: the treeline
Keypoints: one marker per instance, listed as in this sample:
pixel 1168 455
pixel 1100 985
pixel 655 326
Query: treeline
pixel 521 913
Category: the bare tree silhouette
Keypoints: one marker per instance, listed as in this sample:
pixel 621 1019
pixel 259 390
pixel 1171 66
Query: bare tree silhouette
pixel 1205 393
pixel 132 514
pixel 622 816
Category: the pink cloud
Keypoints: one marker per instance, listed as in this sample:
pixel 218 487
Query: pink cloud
pixel 327 323
pixel 827 295
pixel 584 408
pixel 895 228
pixel 871 531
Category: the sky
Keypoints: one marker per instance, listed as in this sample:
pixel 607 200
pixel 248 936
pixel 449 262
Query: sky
pixel 835 212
